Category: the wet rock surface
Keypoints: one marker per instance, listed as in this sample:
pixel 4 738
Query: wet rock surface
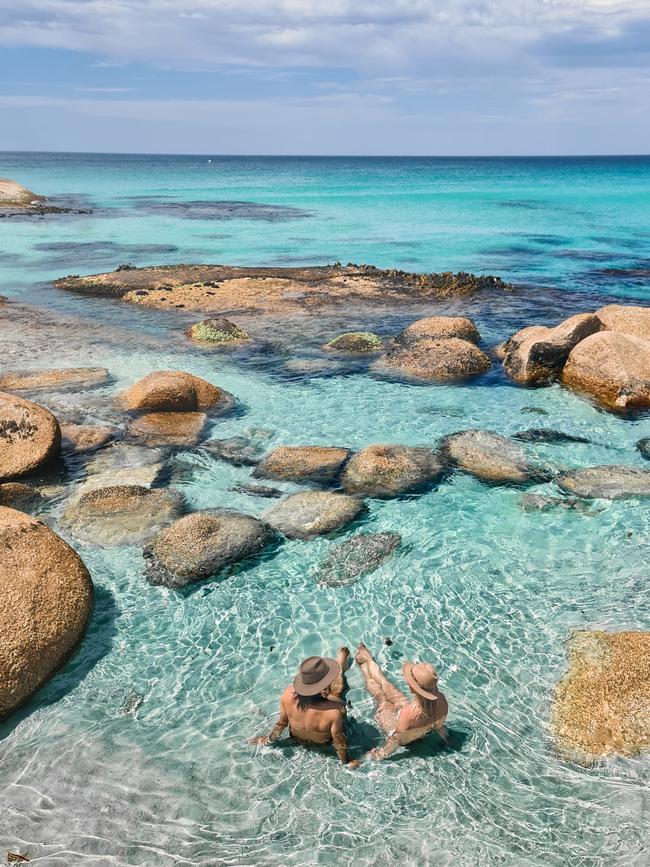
pixel 19 496
pixel 121 514
pixel 162 429
pixel 200 545
pixel 437 360
pixel 173 391
pixel 123 464
pixel 320 464
pixel 391 470
pixel 601 706
pixel 440 328
pixel 313 513
pixel 547 435
pixel 217 331
pixel 360 555
pixel 45 605
pixel 30 437
pixel 489 456
pixel 627 319
pixel 263 491
pixel 609 482
pixel 82 439
pixel 355 342
pixel 241 451
pixel 64 379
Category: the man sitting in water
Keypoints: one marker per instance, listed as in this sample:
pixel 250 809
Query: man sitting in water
pixel 402 720
pixel 312 706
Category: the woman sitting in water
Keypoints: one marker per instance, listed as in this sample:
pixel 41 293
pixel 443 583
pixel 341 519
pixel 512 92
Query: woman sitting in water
pixel 402 720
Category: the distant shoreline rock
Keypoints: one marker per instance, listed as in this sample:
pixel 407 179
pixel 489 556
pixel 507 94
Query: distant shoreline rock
pixel 17 201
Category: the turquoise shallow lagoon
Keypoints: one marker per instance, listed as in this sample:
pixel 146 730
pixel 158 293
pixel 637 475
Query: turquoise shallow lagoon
pixel 136 752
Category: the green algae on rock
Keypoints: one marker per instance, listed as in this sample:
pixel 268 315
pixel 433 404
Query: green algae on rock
pixel 355 342
pixel 217 331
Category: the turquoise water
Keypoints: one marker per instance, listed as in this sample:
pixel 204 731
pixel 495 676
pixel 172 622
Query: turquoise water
pixel 136 752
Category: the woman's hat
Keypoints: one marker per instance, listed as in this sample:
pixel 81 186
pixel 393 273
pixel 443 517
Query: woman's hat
pixel 315 674
pixel 422 678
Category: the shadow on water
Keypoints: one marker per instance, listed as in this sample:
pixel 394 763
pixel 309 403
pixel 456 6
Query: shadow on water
pixel 96 644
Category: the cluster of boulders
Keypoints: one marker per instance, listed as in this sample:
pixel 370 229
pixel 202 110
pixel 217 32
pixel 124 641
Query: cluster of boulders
pixel 605 355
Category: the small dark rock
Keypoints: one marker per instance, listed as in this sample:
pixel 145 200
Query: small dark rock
pixel 257 491
pixel 644 447
pixel 547 435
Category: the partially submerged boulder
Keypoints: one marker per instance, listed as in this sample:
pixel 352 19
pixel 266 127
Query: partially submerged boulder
pixel 217 331
pixel 601 707
pixel 173 391
pixel 320 464
pixel 489 456
pixel 19 496
pixel 81 439
pixel 355 557
pixel 30 437
pixel 608 482
pixel 45 606
pixel 123 464
pixel 451 358
pixel 613 368
pixel 391 470
pixel 199 546
pixel 160 429
pixel 355 342
pixel 64 379
pixel 627 319
pixel 535 356
pixel 441 328
pixel 313 513
pixel 121 514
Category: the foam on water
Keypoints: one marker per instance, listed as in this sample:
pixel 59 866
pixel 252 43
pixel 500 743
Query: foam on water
pixel 136 753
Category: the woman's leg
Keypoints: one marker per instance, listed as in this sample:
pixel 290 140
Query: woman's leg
pixel 388 697
pixel 340 685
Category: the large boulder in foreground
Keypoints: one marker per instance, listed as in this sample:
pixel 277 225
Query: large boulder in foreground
pixel 173 391
pixel 199 546
pixel 440 328
pixel 613 368
pixel 608 482
pixel 357 556
pixel 627 319
pixel 313 513
pixel 537 355
pixel 45 604
pixel 601 707
pixel 160 429
pixel 389 470
pixel 441 360
pixel 122 514
pixel 489 456
pixel 320 464
pixel 64 379
pixel 30 437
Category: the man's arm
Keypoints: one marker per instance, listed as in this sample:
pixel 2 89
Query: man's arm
pixel 276 731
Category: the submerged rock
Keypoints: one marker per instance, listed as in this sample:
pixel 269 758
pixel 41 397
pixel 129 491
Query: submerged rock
pixel 643 446
pixel 608 482
pixel 121 514
pixel 321 464
pixel 45 606
pixel 440 328
pixel 626 319
pixel 601 707
pixel 173 391
pixel 239 450
pixel 546 503
pixel 199 546
pixel 613 368
pixel 547 435
pixel 81 439
pixel 357 556
pixel 160 429
pixel 313 513
pixel 19 496
pixel 123 464
pixel 356 342
pixel 489 456
pixel 258 491
pixel 217 331
pixel 537 355
pixel 73 378
pixel 389 470
pixel 437 359
pixel 30 437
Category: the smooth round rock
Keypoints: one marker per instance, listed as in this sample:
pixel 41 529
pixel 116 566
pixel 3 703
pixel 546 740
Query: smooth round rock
pixel 488 456
pixel 389 470
pixel 122 514
pixel 173 391
pixel 441 328
pixel 30 437
pixel 81 439
pixel 303 463
pixel 355 342
pixel 608 482
pixel 160 429
pixel 45 604
pixel 200 545
pixel 437 359
pixel 360 555
pixel 313 513
pixel 626 319
pixel 19 496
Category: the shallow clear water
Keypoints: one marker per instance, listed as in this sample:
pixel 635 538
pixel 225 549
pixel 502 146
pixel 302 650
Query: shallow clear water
pixel 136 753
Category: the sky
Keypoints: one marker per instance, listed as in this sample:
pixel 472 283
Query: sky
pixel 448 77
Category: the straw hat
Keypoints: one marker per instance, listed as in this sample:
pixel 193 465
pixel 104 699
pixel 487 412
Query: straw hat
pixel 316 674
pixel 422 678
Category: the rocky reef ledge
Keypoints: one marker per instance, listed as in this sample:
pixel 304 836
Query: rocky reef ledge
pixel 265 291
pixel 17 201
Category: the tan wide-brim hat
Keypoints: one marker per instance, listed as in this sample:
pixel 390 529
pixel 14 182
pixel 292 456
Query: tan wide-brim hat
pixel 316 674
pixel 422 678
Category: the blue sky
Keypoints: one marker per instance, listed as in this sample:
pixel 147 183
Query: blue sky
pixel 326 76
